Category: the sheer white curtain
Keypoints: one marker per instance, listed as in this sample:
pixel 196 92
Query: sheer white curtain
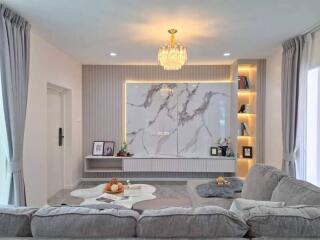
pixel 313 127
pixel 4 174
pixel 302 109
pixel 308 161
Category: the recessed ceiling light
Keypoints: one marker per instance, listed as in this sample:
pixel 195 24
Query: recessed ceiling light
pixel 113 54
pixel 227 54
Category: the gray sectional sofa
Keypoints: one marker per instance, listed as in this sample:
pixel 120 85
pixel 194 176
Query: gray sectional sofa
pixel 272 206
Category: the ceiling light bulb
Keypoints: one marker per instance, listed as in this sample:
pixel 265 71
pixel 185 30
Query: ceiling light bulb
pixel 113 54
pixel 226 54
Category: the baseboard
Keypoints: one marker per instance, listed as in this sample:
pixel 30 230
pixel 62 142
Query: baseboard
pixel 74 185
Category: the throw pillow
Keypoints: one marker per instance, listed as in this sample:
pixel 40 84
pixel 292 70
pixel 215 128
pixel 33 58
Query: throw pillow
pixel 240 204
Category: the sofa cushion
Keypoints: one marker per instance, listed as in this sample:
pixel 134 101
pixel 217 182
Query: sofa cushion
pixel 204 222
pixel 73 222
pixel 15 221
pixel 134 238
pixel 240 204
pixel 260 182
pixel 296 192
pixel 294 221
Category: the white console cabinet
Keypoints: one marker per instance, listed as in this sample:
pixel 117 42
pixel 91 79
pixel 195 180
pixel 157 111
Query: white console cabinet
pixel 159 164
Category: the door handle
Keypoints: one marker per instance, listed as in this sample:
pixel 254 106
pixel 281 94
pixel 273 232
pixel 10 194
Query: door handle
pixel 60 137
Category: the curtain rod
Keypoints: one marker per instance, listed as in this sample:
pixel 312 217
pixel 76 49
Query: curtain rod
pixel 312 29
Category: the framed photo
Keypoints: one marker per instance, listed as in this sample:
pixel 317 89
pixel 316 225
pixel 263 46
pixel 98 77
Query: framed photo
pixel 97 149
pixel 108 148
pixel 247 152
pixel 214 151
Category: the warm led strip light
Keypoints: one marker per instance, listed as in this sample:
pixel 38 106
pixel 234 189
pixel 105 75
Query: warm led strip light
pixel 179 81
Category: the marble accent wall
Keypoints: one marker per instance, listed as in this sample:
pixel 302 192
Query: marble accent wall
pixel 176 119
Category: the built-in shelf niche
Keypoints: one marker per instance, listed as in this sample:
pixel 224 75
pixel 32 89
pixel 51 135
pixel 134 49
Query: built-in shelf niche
pixel 248 97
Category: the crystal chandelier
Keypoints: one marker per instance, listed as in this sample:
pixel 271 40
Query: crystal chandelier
pixel 172 56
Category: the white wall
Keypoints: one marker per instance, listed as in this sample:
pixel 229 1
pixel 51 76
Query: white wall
pixel 273 134
pixel 49 65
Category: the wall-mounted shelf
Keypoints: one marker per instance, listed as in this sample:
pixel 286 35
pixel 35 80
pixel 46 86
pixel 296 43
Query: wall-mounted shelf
pixel 159 164
pixel 246 91
pixel 246 114
pixel 245 137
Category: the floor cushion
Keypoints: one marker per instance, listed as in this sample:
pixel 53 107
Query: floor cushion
pixel 204 222
pixel 212 189
pixel 198 201
pixel 295 192
pixel 260 182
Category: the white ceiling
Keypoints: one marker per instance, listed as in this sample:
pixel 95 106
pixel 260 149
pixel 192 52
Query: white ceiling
pixel 89 30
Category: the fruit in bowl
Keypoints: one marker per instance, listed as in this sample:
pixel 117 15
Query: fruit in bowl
pixel 114 186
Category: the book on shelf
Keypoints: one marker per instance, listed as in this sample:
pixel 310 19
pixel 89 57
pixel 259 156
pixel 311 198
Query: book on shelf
pixel 243 82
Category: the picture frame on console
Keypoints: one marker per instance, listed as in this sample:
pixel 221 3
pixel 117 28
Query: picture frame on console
pixel 108 148
pixel 98 148
pixel 214 151
pixel 247 152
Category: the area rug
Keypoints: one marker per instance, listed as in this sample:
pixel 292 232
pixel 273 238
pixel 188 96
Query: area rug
pixel 95 195
pixel 211 189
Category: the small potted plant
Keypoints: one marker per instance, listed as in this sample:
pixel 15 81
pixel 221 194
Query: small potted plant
pixel 224 145
pixel 123 152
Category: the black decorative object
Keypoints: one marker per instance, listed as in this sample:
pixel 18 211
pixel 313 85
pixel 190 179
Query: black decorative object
pixel 242 108
pixel 223 145
pixel 223 150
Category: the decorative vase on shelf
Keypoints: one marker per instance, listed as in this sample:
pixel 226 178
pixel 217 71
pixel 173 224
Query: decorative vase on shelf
pixel 223 150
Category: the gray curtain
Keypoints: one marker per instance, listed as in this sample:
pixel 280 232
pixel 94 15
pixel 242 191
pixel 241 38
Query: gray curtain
pixel 14 64
pixel 261 101
pixel 291 57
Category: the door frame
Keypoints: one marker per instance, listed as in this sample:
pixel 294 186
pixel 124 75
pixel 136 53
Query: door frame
pixel 67 132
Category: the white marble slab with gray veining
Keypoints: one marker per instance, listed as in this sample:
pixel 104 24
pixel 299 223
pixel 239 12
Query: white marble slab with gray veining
pixel 176 119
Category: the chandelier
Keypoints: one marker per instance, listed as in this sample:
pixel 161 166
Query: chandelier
pixel 172 56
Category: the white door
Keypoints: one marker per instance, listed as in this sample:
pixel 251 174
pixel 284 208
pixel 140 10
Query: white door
pixel 55 153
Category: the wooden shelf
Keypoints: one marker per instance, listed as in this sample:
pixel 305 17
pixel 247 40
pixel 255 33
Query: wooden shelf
pixel 245 159
pixel 159 164
pixel 246 91
pixel 244 137
pixel 246 114
pixel 104 170
pixel 160 157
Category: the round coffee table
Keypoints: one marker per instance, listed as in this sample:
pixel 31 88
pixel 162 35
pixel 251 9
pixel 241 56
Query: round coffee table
pixel 132 194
